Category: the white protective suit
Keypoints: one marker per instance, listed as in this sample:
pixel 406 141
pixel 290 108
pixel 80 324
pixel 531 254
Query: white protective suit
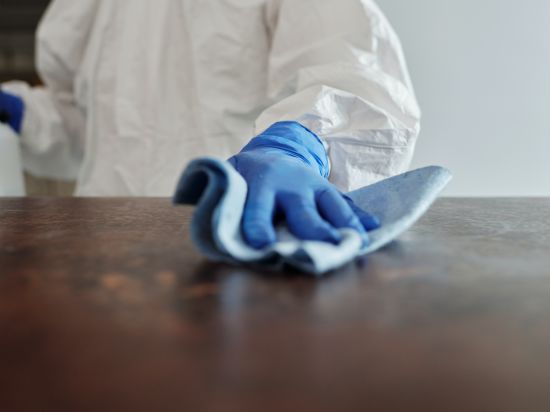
pixel 137 88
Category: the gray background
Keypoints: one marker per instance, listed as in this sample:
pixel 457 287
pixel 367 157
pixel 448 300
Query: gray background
pixel 482 74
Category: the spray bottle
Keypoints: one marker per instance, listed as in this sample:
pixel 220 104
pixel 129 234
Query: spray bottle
pixel 11 171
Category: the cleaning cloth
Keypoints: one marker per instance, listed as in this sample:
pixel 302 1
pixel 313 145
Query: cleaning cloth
pixel 219 193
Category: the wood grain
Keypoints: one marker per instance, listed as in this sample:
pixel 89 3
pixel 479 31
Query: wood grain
pixel 105 305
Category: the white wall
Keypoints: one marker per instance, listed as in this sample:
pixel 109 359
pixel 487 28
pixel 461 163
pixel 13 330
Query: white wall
pixel 482 73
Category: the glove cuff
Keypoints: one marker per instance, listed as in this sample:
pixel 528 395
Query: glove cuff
pixel 295 140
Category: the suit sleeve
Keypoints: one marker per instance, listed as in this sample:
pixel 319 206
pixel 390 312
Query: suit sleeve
pixel 53 129
pixel 337 67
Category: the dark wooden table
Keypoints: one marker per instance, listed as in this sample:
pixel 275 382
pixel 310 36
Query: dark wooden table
pixel 105 305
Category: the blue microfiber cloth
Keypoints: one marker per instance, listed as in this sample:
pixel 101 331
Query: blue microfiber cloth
pixel 219 192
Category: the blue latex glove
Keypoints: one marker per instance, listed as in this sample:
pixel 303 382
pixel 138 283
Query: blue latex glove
pixel 12 109
pixel 286 169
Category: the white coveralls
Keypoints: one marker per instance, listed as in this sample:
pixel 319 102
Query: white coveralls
pixel 134 89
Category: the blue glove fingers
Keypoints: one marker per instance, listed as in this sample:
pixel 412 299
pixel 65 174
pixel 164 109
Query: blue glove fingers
pixel 369 221
pixel 336 210
pixel 257 225
pixel 304 221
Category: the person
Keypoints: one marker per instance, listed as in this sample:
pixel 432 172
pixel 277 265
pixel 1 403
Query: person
pixel 134 89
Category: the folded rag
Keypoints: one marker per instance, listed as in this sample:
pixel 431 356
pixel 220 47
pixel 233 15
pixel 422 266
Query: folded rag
pixel 219 193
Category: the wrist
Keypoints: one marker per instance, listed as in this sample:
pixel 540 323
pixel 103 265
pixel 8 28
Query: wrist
pixel 295 140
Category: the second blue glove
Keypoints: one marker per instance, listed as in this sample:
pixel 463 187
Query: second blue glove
pixel 12 109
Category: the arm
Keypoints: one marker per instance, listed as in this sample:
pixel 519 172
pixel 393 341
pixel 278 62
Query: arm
pixel 337 67
pixel 51 132
pixel 53 126
pixel 340 88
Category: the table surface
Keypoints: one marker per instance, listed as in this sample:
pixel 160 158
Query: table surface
pixel 105 305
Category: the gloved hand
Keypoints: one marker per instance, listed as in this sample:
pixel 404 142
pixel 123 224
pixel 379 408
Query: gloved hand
pixel 12 109
pixel 286 169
